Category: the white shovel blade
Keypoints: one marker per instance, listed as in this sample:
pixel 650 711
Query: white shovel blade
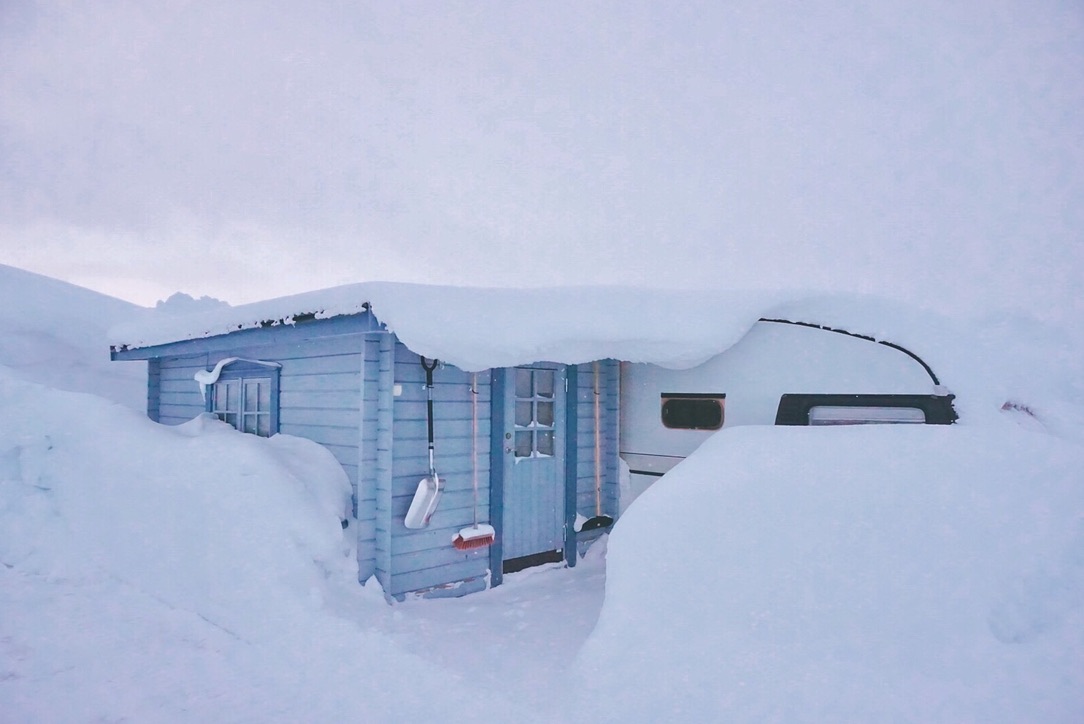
pixel 424 503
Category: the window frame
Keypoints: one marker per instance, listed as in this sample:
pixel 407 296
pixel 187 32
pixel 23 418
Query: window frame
pixel 667 400
pixel 794 408
pixel 242 371
pixel 535 430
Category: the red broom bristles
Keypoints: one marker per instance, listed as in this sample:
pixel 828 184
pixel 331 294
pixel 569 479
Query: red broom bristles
pixel 468 544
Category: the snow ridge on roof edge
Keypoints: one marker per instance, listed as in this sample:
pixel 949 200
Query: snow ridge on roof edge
pixel 476 328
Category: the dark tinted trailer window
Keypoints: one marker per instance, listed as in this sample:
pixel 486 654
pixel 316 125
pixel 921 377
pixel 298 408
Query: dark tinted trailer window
pixel 692 411
pixel 814 409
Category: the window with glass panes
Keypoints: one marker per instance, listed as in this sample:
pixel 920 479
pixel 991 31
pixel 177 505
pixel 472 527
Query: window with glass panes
pixel 244 403
pixel 534 415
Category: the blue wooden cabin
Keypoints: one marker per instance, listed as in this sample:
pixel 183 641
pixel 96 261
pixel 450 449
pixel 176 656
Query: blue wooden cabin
pixel 350 384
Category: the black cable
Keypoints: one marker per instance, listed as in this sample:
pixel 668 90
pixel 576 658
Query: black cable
pixel 866 337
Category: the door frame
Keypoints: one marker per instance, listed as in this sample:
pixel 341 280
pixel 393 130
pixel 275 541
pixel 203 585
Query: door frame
pixel 502 378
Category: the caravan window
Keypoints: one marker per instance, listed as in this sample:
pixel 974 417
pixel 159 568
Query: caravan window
pixel 864 409
pixel 682 411
pixel 827 415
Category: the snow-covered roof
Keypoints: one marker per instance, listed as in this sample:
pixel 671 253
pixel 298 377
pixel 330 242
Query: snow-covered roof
pixel 480 328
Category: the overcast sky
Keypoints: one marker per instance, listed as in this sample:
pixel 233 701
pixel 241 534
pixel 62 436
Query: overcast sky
pixel 929 151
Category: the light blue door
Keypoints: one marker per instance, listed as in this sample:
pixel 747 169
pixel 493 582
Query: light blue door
pixel 534 451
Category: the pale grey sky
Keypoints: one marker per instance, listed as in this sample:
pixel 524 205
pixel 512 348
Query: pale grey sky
pixel 928 151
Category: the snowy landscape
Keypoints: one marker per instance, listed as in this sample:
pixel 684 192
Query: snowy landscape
pixel 501 183
pixel 921 573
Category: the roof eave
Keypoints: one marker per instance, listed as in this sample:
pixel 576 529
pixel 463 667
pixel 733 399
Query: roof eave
pixel 298 328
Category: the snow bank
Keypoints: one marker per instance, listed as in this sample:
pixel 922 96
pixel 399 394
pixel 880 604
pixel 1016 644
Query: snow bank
pixel 193 514
pixel 151 573
pixel 55 333
pixel 849 574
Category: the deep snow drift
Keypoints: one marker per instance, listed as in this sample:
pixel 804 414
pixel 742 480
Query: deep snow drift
pixel 850 574
pixel 185 574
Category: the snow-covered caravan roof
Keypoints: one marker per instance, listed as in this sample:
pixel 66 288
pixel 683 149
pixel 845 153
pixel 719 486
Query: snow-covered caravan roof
pixel 480 328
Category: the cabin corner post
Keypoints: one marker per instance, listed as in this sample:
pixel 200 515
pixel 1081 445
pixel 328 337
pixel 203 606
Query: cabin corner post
pixel 365 489
pixel 384 462
pixel 613 437
pixel 498 386
pixel 572 458
pixel 154 388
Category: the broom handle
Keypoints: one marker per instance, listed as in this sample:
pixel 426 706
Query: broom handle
pixel 474 440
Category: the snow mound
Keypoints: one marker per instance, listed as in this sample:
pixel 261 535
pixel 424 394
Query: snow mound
pixel 192 514
pixel 849 574
pixel 193 573
pixel 55 333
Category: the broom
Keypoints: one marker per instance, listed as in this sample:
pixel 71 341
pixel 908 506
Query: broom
pixel 599 520
pixel 477 535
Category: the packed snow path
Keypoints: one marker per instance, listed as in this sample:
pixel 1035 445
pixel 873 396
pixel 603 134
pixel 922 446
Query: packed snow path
pixel 518 639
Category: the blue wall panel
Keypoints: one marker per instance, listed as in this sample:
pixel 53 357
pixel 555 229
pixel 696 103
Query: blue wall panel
pixel 385 450
pixel 154 387
pixel 426 558
pixel 470 569
pixel 320 384
pixel 366 471
pixel 609 372
pixel 611 412
pixel 319 376
pixel 363 396
pixel 179 398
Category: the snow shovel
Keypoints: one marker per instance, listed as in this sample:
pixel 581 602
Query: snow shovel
pixel 430 488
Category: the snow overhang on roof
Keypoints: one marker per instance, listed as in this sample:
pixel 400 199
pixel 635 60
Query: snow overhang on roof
pixel 481 328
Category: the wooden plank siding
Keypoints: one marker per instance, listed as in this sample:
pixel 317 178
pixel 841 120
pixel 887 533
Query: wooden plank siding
pixel 320 385
pixel 611 440
pixel 179 398
pixel 609 373
pixel 367 456
pixel 154 387
pixel 361 394
pixel 319 392
pixel 424 559
pixel 384 458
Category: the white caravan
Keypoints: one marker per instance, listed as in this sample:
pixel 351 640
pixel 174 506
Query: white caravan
pixel 781 372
